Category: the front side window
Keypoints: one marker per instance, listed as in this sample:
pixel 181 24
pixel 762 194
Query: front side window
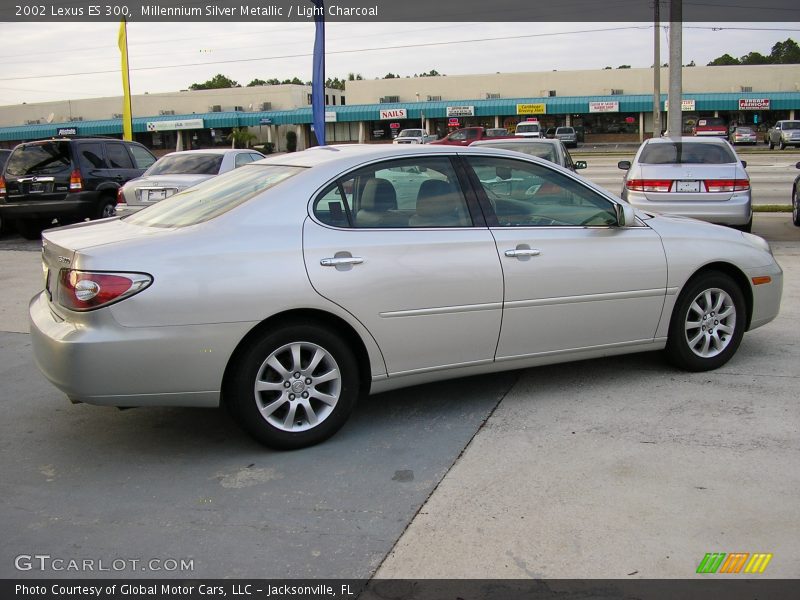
pixel 523 194
pixel 214 197
pixel 406 193
pixel 118 157
pixel 141 157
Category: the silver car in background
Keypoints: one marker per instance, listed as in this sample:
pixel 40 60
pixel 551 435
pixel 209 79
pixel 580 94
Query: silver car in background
pixel 552 150
pixel 177 171
pixel 696 177
pixel 288 288
pixel 568 135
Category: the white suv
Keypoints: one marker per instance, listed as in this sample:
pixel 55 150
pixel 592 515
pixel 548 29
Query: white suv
pixel 529 129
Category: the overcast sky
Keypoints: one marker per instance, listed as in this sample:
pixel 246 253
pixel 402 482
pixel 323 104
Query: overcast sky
pixel 58 61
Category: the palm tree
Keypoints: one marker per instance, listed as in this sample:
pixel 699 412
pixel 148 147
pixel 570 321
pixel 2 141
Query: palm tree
pixel 241 137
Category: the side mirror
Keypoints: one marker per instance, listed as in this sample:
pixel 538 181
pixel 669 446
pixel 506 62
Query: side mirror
pixel 626 216
pixel 744 164
pixel 797 166
pixel 624 165
pixel 580 164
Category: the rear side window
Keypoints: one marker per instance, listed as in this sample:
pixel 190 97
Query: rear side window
pixel 187 164
pixel 91 156
pixel 141 157
pixel 672 153
pixel 118 157
pixel 49 158
pixel 214 197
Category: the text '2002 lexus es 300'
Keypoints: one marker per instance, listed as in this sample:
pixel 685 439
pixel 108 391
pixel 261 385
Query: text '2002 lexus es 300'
pixel 290 286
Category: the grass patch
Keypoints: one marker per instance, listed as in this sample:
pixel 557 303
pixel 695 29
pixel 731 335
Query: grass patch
pixel 772 208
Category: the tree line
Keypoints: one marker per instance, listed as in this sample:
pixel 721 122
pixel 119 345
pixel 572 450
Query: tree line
pixel 220 81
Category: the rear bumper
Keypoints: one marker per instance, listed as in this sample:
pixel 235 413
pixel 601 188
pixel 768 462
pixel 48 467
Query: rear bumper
pixel 736 211
pixel 98 361
pixel 81 203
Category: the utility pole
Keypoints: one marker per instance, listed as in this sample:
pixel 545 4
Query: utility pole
pixel 674 116
pixel 656 70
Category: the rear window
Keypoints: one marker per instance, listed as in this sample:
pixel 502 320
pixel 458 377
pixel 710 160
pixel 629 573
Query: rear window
pixel 49 158
pixel 186 164
pixel 565 130
pixel 528 127
pixel 545 151
pixel 711 122
pixel 214 197
pixel 686 153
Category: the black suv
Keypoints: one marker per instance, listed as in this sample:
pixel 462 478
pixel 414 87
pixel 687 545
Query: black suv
pixel 67 179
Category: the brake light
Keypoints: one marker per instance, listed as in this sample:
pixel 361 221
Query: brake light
pixel 75 181
pixel 120 197
pixel 85 290
pixel 2 186
pixel 727 185
pixel 649 185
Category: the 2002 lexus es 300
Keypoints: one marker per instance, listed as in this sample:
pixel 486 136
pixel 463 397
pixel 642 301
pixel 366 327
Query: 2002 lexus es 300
pixel 290 286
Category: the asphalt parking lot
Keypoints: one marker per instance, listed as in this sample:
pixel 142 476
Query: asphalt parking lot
pixel 614 468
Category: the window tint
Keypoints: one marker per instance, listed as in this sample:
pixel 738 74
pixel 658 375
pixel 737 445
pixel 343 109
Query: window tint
pixel 255 156
pixel 214 197
pixel 242 159
pixel 526 195
pixel 187 164
pixel 91 156
pixel 141 157
pixel 118 157
pixel 419 192
pixel 39 159
pixel 791 125
pixel 543 150
pixel 667 153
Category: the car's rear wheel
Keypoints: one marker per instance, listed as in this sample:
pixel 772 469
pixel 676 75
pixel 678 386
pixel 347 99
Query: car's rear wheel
pixel 707 323
pixel 106 209
pixel 294 387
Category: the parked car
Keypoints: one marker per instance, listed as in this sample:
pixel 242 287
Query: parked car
pixel 414 136
pixel 529 129
pixel 467 135
pixel 710 126
pixel 796 199
pixel 694 177
pixel 274 290
pixel 4 154
pixel 178 171
pixel 568 136
pixel 743 135
pixel 550 133
pixel 783 134
pixel 552 150
pixel 68 179
pixel 494 132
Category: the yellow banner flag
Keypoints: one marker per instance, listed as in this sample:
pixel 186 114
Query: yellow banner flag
pixel 127 117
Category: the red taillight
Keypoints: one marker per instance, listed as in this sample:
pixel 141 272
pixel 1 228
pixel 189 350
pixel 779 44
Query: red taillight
pixel 649 185
pixel 75 181
pixel 2 186
pixel 84 290
pixel 727 185
pixel 120 197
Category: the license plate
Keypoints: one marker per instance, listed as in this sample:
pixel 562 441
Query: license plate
pixel 36 188
pixel 156 195
pixel 687 186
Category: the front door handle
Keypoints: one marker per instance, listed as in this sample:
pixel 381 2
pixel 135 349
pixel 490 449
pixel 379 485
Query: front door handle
pixel 522 252
pixel 341 260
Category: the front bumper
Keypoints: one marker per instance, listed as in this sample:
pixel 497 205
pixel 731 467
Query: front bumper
pixel 767 296
pixel 96 360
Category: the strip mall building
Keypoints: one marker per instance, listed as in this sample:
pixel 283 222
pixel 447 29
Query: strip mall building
pixel 605 105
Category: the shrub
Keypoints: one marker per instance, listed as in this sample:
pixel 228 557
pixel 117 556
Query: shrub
pixel 291 141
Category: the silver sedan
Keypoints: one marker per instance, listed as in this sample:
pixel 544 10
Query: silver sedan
pixel 696 177
pixel 177 171
pixel 289 287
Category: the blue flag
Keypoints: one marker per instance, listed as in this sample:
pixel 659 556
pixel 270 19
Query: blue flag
pixel 318 73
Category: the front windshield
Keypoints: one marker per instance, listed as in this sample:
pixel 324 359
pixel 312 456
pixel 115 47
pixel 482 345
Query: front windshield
pixel 186 164
pixel 213 197
pixel 792 125
pixel 410 133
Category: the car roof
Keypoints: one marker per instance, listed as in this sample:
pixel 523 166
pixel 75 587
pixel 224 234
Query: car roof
pixel 213 151
pixel 517 140
pixel 686 138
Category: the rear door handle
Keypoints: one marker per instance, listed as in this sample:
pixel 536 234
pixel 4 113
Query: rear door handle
pixel 341 260
pixel 520 252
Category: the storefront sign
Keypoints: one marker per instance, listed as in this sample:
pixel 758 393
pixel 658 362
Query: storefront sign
pixel 686 105
pixel 460 111
pixel 174 125
pixel 394 113
pixel 452 122
pixel 394 125
pixel 265 121
pixel 67 131
pixel 330 116
pixel 630 119
pixel 753 103
pixel 604 107
pixel 540 108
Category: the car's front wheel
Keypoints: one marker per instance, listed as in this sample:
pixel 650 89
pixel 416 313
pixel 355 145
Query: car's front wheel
pixel 294 387
pixel 707 324
pixel 795 207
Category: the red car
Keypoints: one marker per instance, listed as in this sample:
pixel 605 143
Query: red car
pixel 467 135
pixel 711 126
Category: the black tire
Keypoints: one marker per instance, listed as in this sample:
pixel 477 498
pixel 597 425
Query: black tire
pixel 286 394
pixel 31 229
pixel 795 206
pixel 781 145
pixel 689 347
pixel 107 208
pixel 770 144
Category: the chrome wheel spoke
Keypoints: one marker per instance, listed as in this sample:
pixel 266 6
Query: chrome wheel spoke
pixel 710 322
pixel 326 398
pixel 273 362
pixel 329 376
pixel 693 342
pixel 269 386
pixel 296 359
pixel 310 414
pixel 289 420
pixel 270 408
pixel 317 358
pixel 729 311
pixel 724 329
pixel 691 325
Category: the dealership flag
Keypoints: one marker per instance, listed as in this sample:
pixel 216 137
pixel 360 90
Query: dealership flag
pixel 127 123
pixel 318 74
